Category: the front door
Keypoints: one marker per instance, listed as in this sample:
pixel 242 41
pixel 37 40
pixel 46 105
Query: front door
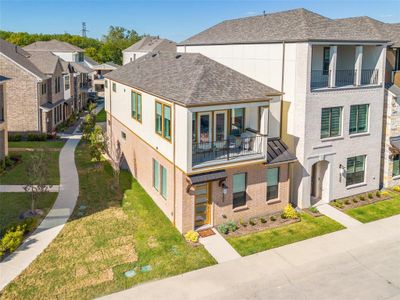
pixel 202 205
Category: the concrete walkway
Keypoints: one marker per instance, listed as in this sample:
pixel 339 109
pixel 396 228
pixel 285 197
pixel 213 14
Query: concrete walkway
pixel 362 262
pixel 219 248
pixel 55 220
pixel 338 215
pixel 14 188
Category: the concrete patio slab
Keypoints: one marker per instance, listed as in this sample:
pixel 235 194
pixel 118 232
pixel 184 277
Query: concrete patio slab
pixel 338 216
pixel 219 248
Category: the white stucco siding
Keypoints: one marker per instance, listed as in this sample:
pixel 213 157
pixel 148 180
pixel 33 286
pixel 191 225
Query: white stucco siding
pixel 67 56
pixel 127 57
pixel 183 138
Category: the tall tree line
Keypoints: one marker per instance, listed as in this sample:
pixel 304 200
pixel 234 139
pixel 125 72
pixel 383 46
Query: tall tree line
pixel 108 48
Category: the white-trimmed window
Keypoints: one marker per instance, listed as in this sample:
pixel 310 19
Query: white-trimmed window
pixel 239 190
pixel 355 172
pixel 272 183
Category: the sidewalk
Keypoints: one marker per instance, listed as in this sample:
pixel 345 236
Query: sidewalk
pixel 362 262
pixel 338 216
pixel 219 248
pixel 15 188
pixel 55 220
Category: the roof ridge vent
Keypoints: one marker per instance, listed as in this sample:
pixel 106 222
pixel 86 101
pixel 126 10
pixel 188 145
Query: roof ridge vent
pixel 154 54
pixel 178 56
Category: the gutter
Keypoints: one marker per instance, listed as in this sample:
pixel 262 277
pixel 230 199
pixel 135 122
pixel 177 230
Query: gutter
pixel 173 159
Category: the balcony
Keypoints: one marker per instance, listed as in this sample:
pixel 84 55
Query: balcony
pixel 247 146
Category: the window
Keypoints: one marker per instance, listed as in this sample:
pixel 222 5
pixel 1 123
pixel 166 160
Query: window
pixel 239 190
pixel 331 122
pixel 114 87
pixel 194 127
pixel 156 174
pixel 106 84
pixel 272 183
pixel 326 60
pixel 66 83
pixel 44 88
pixel 164 182
pixel 396 165
pixel 237 119
pixel 123 135
pixel 57 85
pixel 358 118
pixel 163 120
pixel 80 56
pixel 136 105
pixel 355 170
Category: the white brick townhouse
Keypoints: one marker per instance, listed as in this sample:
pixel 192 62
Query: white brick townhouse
pixel 331 72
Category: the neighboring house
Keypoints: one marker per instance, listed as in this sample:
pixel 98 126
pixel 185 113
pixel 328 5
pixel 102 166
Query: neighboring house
pixel 98 76
pixel 27 89
pixel 3 119
pixel 90 62
pixel 73 55
pixel 332 75
pixel 145 45
pixel 202 139
pixel 391 142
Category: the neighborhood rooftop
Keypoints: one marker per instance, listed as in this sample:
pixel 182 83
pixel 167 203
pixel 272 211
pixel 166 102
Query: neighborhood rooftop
pixel 190 79
pixel 151 43
pixel 45 61
pixel 106 66
pixel 292 26
pixel 53 45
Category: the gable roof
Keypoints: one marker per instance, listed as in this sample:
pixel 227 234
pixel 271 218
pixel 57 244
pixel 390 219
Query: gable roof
pixel 190 79
pixel 90 61
pixel 81 67
pixel 106 66
pixel 151 43
pixel 45 61
pixel 21 57
pixel 290 26
pixel 53 45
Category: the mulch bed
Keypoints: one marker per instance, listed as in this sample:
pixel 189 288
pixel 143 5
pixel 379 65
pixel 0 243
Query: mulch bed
pixel 356 202
pixel 259 226
pixel 311 213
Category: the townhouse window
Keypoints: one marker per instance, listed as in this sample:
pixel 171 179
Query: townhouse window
pixel 106 84
pixel 156 174
pixel 194 127
pixel 114 87
pixel 123 135
pixel 237 121
pixel 272 183
pixel 163 120
pixel 164 182
pixel 136 106
pixel 331 122
pixel 355 170
pixel 44 88
pixel 66 83
pixel 396 165
pixel 57 85
pixel 358 118
pixel 239 190
pixel 80 56
pixel 326 60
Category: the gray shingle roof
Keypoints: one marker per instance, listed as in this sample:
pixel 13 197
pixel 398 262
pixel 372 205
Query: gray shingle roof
pixel 91 61
pixel 53 45
pixel 290 26
pixel 45 61
pixel 106 66
pixel 394 89
pixel 21 57
pixel 151 43
pixel 81 67
pixel 190 79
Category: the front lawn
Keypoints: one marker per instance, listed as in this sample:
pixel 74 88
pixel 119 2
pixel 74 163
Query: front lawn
pixel 18 174
pixel 101 116
pixel 14 204
pixel 111 231
pixel 37 144
pixel 271 238
pixel 376 211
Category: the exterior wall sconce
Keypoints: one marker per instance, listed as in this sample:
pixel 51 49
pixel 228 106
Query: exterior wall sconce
pixel 224 189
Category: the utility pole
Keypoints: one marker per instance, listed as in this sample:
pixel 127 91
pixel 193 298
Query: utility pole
pixel 84 30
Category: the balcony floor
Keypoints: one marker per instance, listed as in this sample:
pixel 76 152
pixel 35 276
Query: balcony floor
pixel 222 159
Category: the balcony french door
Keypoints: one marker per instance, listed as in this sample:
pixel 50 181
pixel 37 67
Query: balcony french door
pixel 212 127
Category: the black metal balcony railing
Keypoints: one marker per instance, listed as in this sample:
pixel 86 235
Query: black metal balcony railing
pixel 319 79
pixel 231 148
pixel 369 76
pixel 345 77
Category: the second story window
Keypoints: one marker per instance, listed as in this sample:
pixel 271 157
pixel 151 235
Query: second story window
pixel 326 60
pixel 114 87
pixel 163 120
pixel 44 88
pixel 66 83
pixel 331 122
pixel 358 118
pixel 136 106
pixel 57 85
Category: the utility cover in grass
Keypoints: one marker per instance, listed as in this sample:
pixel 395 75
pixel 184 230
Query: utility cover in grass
pixel 145 269
pixel 82 207
pixel 130 273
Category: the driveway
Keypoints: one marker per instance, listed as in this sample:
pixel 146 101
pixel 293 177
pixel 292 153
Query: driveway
pixel 362 262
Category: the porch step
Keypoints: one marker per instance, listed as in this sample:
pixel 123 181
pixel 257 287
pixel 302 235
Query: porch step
pixel 219 248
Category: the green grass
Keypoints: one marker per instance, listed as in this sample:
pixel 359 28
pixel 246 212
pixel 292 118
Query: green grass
pixel 376 211
pixel 34 144
pixel 18 174
pixel 118 227
pixel 14 204
pixel 271 238
pixel 101 116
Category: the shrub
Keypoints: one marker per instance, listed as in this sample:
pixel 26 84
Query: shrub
pixel 263 220
pixel 362 198
pixel 14 137
pixel 338 203
pixel 273 218
pixel 378 194
pixel 252 222
pixel 370 196
pixel 355 200
pixel 314 210
pixel 192 236
pixel 232 226
pixel 396 188
pixel 12 239
pixel 243 223
pixel 289 212
pixel 223 228
pixel 30 224
pixel 385 193
pixel 347 201
pixel 37 137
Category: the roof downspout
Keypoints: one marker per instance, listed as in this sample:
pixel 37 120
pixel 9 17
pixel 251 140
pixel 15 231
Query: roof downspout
pixel 173 159
pixel 282 84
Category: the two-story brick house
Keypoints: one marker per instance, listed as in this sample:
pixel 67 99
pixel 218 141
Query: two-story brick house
pixel 331 74
pixel 202 139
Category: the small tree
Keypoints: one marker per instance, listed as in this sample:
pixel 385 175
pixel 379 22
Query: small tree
pixel 87 126
pixel 38 175
pixel 115 154
pixel 98 143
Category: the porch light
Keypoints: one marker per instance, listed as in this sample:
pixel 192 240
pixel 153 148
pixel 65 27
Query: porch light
pixel 224 189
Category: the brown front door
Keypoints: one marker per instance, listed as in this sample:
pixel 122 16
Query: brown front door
pixel 202 205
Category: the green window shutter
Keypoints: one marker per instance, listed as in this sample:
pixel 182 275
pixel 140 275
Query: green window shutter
pixel 133 105
pixel 139 107
pixel 362 118
pixel 353 118
pixel 156 174
pixel 164 182
pixel 336 118
pixel 325 121
pixel 158 118
pixel 167 122
pixel 396 165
